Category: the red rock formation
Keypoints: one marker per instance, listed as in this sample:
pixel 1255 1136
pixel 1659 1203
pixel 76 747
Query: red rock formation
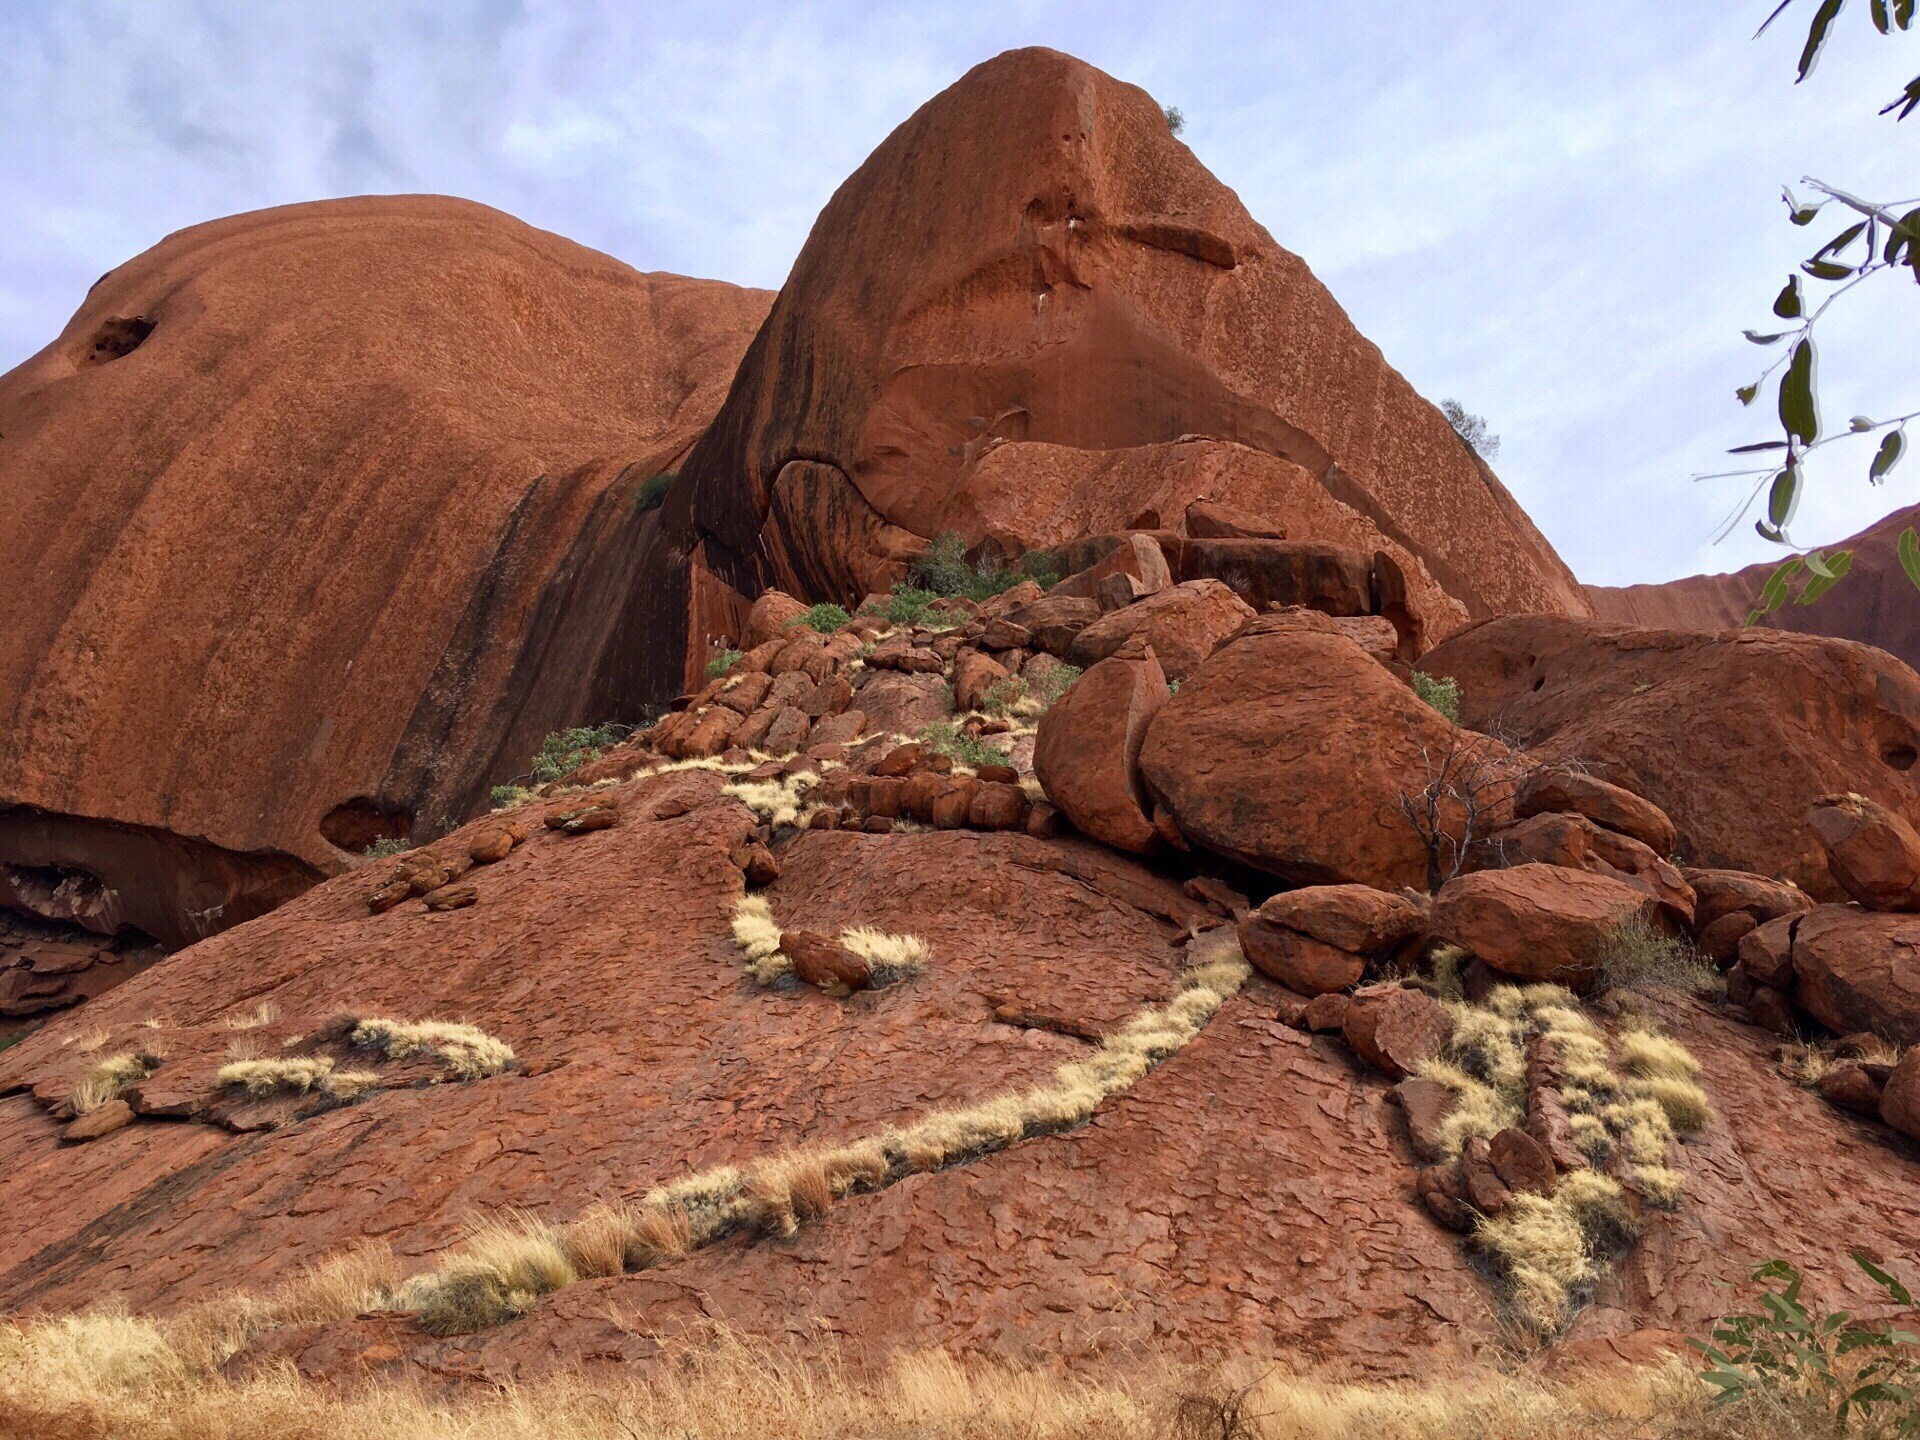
pixel 1735 735
pixel 1033 257
pixel 327 540
pixel 1875 604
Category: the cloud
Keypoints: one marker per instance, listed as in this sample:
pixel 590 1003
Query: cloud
pixel 1562 218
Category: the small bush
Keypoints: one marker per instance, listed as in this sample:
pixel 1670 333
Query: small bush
pixel 565 751
pixel 722 662
pixel 1640 954
pixel 823 618
pixel 505 797
pixel 1849 1370
pixel 1443 694
pixel 468 1052
pixel 908 605
pixel 942 569
pixel 391 845
pixel 652 493
pixel 950 740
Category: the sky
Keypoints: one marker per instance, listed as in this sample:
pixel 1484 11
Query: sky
pixel 1563 216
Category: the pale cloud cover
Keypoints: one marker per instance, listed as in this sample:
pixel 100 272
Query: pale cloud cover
pixel 1561 215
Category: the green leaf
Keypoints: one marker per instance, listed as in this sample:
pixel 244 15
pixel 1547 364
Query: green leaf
pixel 1888 456
pixel 1899 1293
pixel 1837 566
pixel 1903 13
pixel 1909 552
pixel 1840 242
pixel 1817 563
pixel 1880 18
pixel 1799 412
pixel 1860 423
pixel 1826 269
pixel 1906 100
pixel 1757 338
pixel 1787 304
pixel 1754 449
pixel 1773 595
pixel 1746 393
pixel 1817 37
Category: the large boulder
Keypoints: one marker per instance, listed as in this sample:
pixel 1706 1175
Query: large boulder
pixel 1860 971
pixel 1735 735
pixel 1294 752
pixel 1555 788
pixel 1873 853
pixel 1087 754
pixel 1900 1100
pixel 1574 841
pixel 1538 922
pixel 1318 939
pixel 324 516
pixel 1076 278
pixel 1183 624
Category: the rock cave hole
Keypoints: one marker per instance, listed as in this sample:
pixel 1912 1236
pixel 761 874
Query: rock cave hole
pixel 122 335
pixel 355 824
pixel 1901 757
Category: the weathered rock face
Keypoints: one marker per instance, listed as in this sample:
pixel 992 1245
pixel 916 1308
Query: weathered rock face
pixel 1873 853
pixel 1875 606
pixel 1734 735
pixel 1292 752
pixel 381 451
pixel 1077 280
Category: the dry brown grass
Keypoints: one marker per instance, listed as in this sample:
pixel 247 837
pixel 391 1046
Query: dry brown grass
pixel 106 1080
pixel 99 1376
pixel 492 1280
pixel 468 1052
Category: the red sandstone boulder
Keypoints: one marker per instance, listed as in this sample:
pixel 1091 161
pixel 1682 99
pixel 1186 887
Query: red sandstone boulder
pixel 1538 922
pixel 1374 634
pixel 1900 1100
pixel 1873 853
pixel 1577 843
pixel 1356 918
pixel 1859 970
pixel 1136 558
pixel 1292 753
pixel 772 614
pixel 1557 789
pixel 1852 1087
pixel 1719 894
pixel 974 674
pixel 1396 1029
pixel 1055 621
pixel 1087 754
pixel 1183 624
pixel 1299 962
pixel 1735 736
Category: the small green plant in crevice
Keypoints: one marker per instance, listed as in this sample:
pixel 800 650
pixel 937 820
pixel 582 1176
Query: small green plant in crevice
pixel 1843 1369
pixel 505 797
pixel 908 605
pixel 652 493
pixel 1639 954
pixel 722 662
pixel 942 569
pixel 1027 698
pixel 950 740
pixel 1439 691
pixel 565 751
pixel 387 845
pixel 824 618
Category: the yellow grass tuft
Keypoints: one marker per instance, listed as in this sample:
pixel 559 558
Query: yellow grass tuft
pixel 509 1265
pixel 758 938
pixel 1648 1055
pixel 468 1052
pixel 107 1079
pixel 889 957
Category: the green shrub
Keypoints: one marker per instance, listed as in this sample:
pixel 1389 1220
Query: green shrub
pixel 565 751
pixel 949 739
pixel 1442 693
pixel 824 618
pixel 1638 954
pixel 722 662
pixel 942 569
pixel 908 605
pixel 391 845
pixel 652 493
pixel 1785 1355
pixel 1052 683
pixel 505 797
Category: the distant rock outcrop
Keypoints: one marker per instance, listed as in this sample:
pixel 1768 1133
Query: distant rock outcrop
pixel 1009 319
pixel 1876 603
pixel 322 516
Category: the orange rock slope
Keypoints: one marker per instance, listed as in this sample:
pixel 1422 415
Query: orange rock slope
pixel 1003 322
pixel 322 518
